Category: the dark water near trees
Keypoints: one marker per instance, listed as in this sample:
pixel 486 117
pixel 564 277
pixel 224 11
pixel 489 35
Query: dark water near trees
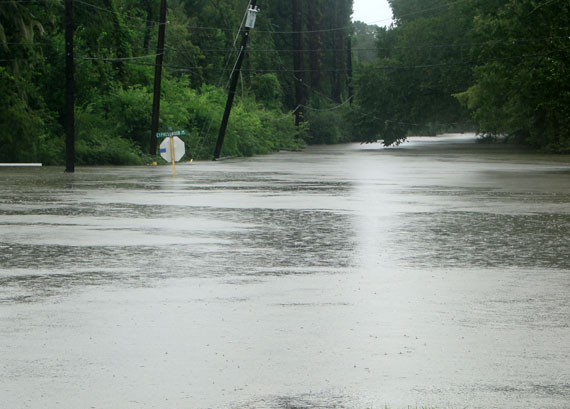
pixel 434 274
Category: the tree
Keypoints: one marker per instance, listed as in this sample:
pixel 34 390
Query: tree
pixel 114 64
pixel 364 43
pixel 25 119
pixel 422 62
pixel 522 83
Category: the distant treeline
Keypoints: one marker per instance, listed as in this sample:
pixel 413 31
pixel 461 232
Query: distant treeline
pixel 499 67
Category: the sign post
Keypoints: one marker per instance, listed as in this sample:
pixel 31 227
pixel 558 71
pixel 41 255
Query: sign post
pixel 172 156
pixel 172 148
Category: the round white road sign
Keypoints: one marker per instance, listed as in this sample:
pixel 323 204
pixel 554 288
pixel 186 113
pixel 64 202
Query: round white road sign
pixel 165 151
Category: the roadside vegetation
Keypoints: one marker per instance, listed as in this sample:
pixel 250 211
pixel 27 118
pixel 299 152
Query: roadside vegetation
pixel 498 67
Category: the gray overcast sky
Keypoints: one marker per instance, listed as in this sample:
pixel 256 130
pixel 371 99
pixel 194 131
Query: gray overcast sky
pixel 372 12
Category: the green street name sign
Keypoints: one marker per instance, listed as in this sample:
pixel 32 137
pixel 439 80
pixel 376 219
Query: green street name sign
pixel 170 134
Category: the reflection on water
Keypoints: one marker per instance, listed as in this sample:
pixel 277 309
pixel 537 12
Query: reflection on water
pixel 301 401
pixel 487 240
pixel 433 274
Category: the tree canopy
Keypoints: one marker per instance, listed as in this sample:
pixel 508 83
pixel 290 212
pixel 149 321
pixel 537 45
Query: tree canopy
pixel 115 51
pixel 496 66
pixel 499 67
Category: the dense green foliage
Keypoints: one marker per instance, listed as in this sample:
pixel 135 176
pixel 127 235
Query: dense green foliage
pixel 522 79
pixel 496 66
pixel 421 64
pixel 115 51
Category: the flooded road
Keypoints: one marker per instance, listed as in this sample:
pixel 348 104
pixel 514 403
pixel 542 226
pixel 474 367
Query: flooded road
pixel 434 274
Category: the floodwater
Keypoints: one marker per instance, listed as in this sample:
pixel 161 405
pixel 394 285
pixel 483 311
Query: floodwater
pixel 435 274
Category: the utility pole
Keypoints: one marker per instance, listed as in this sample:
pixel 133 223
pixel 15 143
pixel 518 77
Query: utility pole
pixel 250 23
pixel 69 90
pixel 299 61
pixel 349 67
pixel 157 77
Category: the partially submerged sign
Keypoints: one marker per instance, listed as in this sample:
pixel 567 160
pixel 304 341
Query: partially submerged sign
pixel 172 148
pixel 167 150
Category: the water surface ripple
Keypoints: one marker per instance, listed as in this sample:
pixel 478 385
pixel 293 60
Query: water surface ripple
pixel 435 274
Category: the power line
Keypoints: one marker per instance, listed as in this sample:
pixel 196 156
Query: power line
pixel 24 1
pixel 241 24
pixel 338 106
pixel 26 44
pixel 427 46
pixel 217 28
pixel 285 69
pixel 287 115
pixel 328 109
pixel 141 19
pixel 118 59
pixel 326 30
pixel 393 121
pixel 290 50
pixel 24 59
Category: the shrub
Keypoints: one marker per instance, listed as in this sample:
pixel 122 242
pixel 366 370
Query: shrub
pixel 96 144
pixel 328 123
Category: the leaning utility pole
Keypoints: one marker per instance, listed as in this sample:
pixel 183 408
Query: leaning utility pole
pixel 69 90
pixel 157 77
pixel 249 24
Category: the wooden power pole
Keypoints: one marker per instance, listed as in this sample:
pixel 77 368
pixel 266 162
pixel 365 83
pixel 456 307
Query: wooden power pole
pixel 349 68
pixel 69 90
pixel 299 61
pixel 250 22
pixel 157 77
